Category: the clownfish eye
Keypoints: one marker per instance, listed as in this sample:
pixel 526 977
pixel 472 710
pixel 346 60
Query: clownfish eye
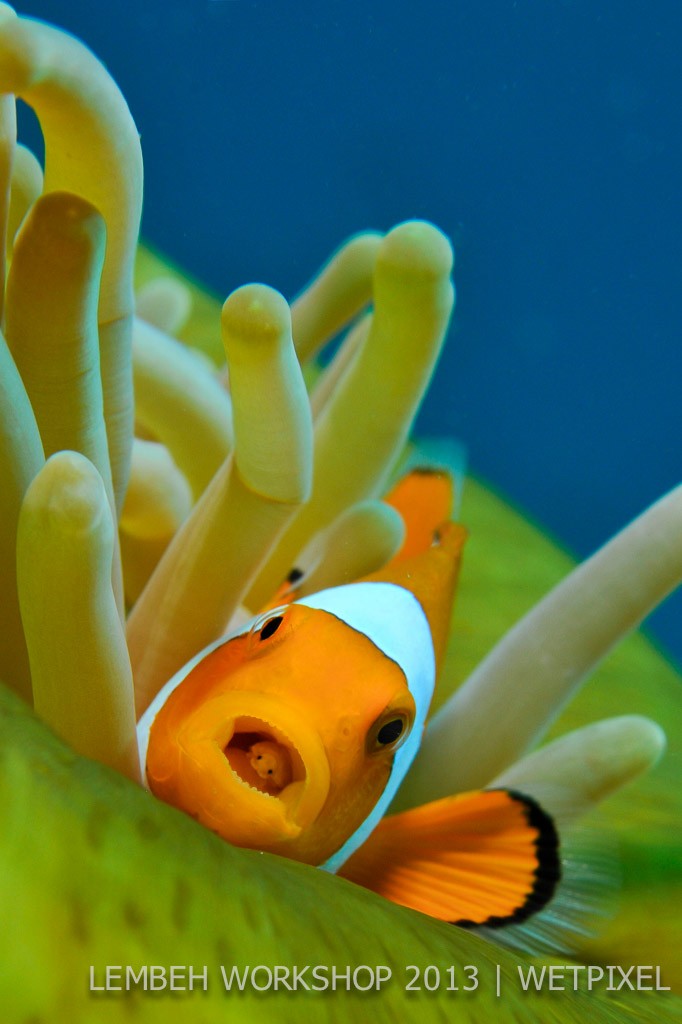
pixel 270 627
pixel 388 731
pixel 266 625
pixel 262 629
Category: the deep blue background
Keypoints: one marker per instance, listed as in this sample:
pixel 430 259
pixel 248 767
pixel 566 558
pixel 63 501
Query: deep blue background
pixel 543 136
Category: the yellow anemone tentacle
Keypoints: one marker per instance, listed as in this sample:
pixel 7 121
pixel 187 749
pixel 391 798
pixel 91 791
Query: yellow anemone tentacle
pixel 157 502
pixel 208 566
pixel 82 681
pixel 8 140
pixel 158 499
pixel 272 427
pixel 364 424
pixel 360 541
pixel 93 150
pixel 27 184
pixel 180 402
pixel 51 326
pixel 572 774
pixel 547 655
pixel 52 295
pixel 21 456
pixel 335 295
pixel 328 382
pixel 165 303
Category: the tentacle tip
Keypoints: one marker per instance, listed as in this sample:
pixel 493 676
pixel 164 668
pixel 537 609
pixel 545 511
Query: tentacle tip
pixel 626 747
pixel 646 738
pixel 68 491
pixel 364 244
pixel 418 247
pixel 68 224
pixel 256 312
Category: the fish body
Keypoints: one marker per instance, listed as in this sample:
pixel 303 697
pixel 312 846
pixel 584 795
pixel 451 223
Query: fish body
pixel 293 734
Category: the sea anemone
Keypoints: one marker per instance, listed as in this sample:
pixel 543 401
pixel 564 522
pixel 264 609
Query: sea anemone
pixel 223 487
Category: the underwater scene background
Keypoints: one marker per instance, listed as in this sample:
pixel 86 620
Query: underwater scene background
pixel 542 137
pixel 538 138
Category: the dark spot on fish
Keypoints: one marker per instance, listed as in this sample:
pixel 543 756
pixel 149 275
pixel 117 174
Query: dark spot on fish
pixel 295 576
pixel 181 901
pixel 270 627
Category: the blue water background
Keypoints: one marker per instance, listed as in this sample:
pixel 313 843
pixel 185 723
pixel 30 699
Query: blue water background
pixel 542 135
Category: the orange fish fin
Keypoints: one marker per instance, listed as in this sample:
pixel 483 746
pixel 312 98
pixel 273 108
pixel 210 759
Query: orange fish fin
pixel 488 858
pixel 424 497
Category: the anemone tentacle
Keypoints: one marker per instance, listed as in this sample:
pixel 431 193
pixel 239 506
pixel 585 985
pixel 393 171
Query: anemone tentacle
pixel 413 300
pixel 82 681
pixel 180 403
pixel 549 653
pixel 27 185
pixel 206 571
pixel 92 149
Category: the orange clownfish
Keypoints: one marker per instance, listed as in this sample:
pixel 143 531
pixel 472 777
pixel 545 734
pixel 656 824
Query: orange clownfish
pixel 293 734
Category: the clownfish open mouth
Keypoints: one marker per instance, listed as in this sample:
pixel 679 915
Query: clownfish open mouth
pixel 243 764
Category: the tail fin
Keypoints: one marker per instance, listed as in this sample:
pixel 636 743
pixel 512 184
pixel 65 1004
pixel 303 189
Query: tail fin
pixel 490 860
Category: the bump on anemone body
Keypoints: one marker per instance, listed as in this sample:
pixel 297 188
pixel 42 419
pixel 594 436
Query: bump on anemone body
pixel 217 493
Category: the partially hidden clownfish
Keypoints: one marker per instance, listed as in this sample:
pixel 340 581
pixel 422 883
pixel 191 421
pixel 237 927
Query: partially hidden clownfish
pixel 293 734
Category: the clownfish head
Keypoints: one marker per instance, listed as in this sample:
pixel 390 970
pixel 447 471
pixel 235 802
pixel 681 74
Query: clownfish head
pixel 293 735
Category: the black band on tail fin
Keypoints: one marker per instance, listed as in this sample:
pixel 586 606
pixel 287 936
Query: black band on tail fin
pixel 547 874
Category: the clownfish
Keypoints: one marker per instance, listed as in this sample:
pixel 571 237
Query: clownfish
pixel 293 734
